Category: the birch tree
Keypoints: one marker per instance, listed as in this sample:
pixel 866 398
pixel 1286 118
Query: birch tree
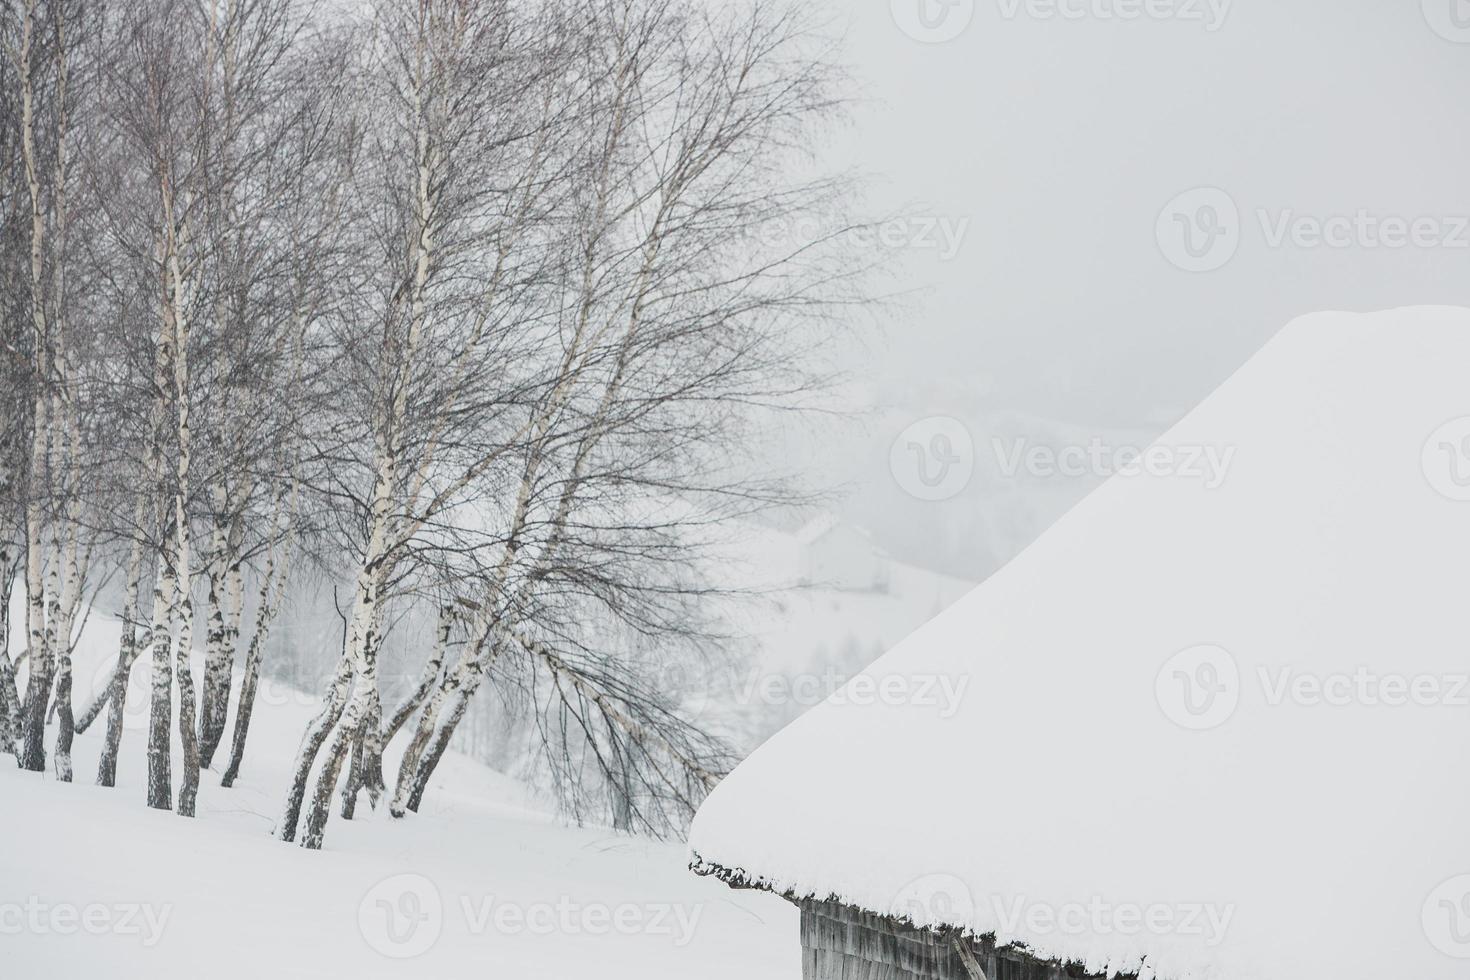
pixel 272 135
pixel 15 380
pixel 215 125
pixel 43 65
pixel 449 304
pixel 689 337
pixel 462 143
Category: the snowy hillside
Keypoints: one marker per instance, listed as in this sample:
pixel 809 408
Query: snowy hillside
pixel 805 637
pixel 482 883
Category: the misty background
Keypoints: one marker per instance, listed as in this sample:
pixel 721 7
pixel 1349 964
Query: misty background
pixel 1055 142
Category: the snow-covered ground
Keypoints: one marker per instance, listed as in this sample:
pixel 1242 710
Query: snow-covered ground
pixel 482 883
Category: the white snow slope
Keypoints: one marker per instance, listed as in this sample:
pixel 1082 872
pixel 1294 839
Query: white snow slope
pixel 481 884
pixel 1212 734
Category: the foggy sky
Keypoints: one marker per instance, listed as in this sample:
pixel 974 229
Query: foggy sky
pixel 1056 141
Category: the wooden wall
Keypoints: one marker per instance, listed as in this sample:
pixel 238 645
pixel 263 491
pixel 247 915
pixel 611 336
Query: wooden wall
pixel 840 942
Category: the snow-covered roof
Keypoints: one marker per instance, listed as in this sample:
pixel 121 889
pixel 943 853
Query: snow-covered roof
pixel 822 525
pixel 1213 725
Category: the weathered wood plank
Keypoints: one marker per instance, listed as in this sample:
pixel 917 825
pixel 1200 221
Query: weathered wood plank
pixel 842 942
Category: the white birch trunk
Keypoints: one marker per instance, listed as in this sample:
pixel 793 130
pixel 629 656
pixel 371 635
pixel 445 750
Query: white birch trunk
pixel 159 635
pixel 272 590
pixel 160 786
pixel 218 658
pixel 10 717
pixel 360 647
pixel 69 595
pixel 116 695
pixel 114 698
pixel 432 669
pixel 183 612
pixel 461 678
pixel 348 695
pixel 38 683
pixel 361 657
pixel 66 427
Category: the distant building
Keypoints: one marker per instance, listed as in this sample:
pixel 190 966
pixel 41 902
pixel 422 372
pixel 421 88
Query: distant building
pixel 836 555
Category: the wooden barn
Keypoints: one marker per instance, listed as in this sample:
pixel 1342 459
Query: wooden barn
pixel 1204 728
pixel 845 942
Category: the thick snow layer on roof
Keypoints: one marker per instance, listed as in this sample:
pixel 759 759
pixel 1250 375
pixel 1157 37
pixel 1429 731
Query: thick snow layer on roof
pixel 1203 729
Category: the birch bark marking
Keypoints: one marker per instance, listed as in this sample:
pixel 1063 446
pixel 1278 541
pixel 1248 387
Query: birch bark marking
pixel 38 685
pixel 9 695
pixel 461 683
pixel 272 591
pixel 250 677
pixel 277 571
pixel 70 598
pixel 130 647
pixel 70 589
pixel 183 610
pixel 65 435
pixel 224 562
pixel 354 779
pixel 361 659
pixel 421 758
pixel 469 674
pixel 116 695
pixel 360 646
pixel 357 668
pixel 234 613
pixel 311 742
pixel 128 641
pixel 430 674
pixel 441 742
pixel 462 676
pixel 218 658
pixel 160 785
pixel 158 635
pixel 172 602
